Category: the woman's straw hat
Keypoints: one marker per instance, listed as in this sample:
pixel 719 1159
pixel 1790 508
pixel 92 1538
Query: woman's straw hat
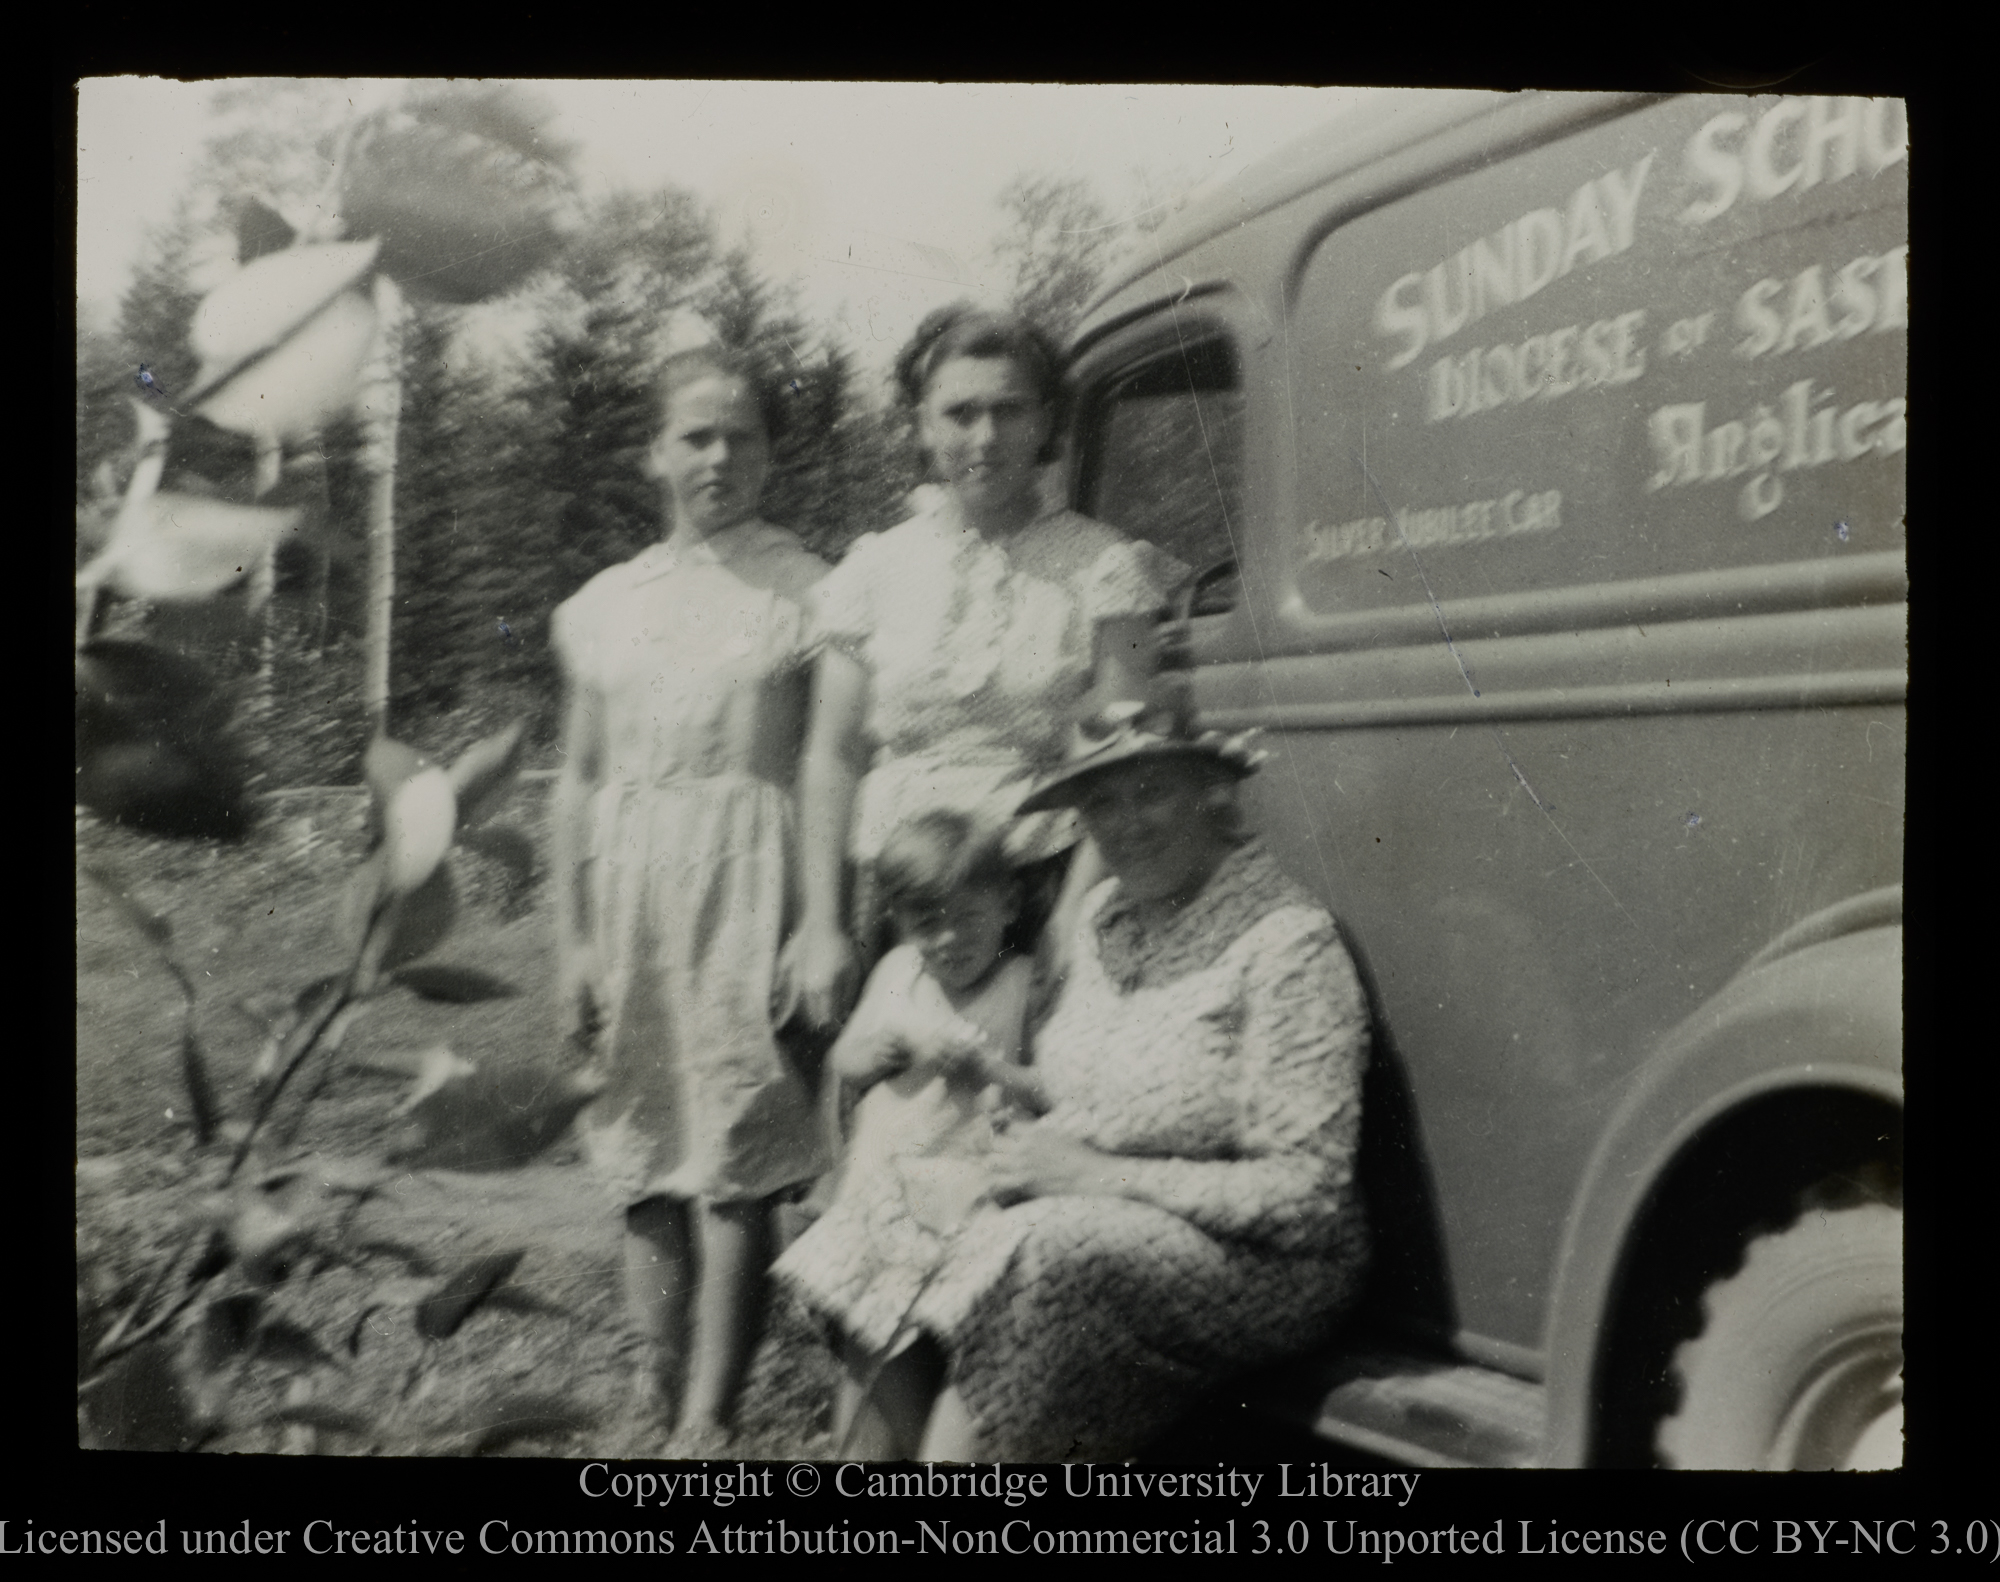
pixel 1161 725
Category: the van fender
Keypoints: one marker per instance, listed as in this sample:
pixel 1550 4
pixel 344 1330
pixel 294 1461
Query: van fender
pixel 1825 1015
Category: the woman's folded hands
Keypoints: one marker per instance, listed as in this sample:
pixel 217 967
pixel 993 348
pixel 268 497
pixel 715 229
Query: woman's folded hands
pixel 1034 1160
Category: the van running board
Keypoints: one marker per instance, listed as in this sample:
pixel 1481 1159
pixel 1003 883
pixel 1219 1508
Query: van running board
pixel 1421 1411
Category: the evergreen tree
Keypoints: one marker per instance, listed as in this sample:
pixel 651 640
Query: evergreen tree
pixel 598 352
pixel 474 538
pixel 840 468
pixel 1060 238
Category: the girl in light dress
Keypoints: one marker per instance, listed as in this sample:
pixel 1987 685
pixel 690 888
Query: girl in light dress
pixel 937 1041
pixel 686 673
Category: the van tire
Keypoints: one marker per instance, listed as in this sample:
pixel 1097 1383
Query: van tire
pixel 1799 1363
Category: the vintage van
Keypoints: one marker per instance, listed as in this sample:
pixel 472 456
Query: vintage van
pixel 1542 460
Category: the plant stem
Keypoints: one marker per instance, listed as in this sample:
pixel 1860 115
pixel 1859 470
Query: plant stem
pixel 301 1043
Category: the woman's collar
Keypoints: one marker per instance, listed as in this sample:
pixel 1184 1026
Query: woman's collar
pixel 947 516
pixel 1238 892
pixel 719 547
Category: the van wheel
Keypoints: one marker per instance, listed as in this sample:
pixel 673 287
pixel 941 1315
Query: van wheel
pixel 1800 1363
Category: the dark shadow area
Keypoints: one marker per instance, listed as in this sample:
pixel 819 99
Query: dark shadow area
pixel 1409 1292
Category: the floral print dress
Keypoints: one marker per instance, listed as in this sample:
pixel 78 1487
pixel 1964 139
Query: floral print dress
pixel 976 656
pixel 1221 1056
pixel 914 1167
pixel 697 657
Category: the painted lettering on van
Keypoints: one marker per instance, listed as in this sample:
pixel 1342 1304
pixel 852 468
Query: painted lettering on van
pixel 1868 293
pixel 1517 511
pixel 1793 146
pixel 1576 357
pixel 1802 433
pixel 1427 307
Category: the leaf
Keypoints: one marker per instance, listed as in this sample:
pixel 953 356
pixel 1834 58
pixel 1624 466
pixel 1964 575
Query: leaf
pixel 266 1240
pixel 460 185
pixel 413 925
pixel 261 229
pixel 509 847
pixel 442 1315
pixel 454 985
pixel 436 1069
pixel 480 1120
pixel 227 1325
pixel 154 925
pixel 518 1417
pixel 283 340
pixel 484 773
pixel 201 1091
pixel 315 1414
pixel 173 547
pixel 417 829
pixel 385 766
pixel 269 299
pixel 310 996
pixel 420 921
pixel 153 743
pixel 280 1340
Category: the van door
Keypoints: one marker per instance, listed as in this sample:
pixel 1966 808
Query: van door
pixel 1569 515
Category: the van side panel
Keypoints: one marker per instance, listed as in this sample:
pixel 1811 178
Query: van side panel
pixel 1534 935
pixel 1675 341
pixel 1572 533
pixel 1666 350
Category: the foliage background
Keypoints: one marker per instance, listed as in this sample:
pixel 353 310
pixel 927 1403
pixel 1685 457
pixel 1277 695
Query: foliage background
pixel 519 469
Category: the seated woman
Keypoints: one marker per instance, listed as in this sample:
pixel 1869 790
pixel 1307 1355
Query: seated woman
pixel 1187 1208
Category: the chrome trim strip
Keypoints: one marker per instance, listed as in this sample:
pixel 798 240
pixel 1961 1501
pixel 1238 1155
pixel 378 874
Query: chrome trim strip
pixel 1879 578
pixel 1725 695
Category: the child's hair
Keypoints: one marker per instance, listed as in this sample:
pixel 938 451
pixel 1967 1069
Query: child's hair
pixel 927 858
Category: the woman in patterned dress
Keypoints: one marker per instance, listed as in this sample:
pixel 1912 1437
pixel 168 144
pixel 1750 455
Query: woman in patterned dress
pixel 686 670
pixel 1187 1208
pixel 959 643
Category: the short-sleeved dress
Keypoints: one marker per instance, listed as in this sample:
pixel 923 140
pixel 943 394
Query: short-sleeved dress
pixel 913 1169
pixel 976 657
pixel 1222 1056
pixel 698 656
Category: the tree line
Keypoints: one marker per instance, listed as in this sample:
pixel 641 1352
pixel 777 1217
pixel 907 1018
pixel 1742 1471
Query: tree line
pixel 519 475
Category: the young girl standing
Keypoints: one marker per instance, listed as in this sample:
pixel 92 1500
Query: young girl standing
pixel 686 670
pixel 937 1040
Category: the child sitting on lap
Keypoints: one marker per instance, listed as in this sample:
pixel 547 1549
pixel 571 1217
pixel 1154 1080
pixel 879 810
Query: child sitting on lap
pixel 937 1040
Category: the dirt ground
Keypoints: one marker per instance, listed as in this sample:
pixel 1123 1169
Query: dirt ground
pixel 252 925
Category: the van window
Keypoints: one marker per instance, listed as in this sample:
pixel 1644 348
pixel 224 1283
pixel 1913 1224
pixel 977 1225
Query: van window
pixel 1673 342
pixel 1163 460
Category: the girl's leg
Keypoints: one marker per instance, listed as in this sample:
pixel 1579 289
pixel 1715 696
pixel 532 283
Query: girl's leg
pixel 659 1281
pixel 950 1435
pixel 883 1406
pixel 729 1307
